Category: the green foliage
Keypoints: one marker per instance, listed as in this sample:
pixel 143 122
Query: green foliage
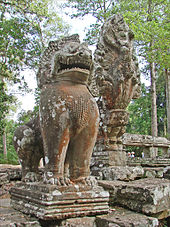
pixel 12 157
pixel 100 9
pixel 140 113
pixel 25 116
pixel 5 102
pixel 149 21
pixel 26 27
pixel 161 105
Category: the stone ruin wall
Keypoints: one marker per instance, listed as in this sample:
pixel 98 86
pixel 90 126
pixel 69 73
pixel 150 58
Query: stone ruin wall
pixel 154 166
pixel 150 145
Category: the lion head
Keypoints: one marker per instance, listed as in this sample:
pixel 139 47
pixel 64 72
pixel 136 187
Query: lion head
pixel 65 59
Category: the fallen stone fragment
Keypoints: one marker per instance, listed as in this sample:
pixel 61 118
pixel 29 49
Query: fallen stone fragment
pixel 4 179
pixel 125 218
pixel 153 172
pixel 9 172
pixel 123 173
pixel 166 173
pixel 148 196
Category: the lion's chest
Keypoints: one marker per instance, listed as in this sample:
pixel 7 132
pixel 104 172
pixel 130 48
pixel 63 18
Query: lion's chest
pixel 73 102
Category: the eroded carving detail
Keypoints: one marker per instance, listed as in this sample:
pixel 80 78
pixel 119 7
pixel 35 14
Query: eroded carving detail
pixel 29 146
pixel 68 112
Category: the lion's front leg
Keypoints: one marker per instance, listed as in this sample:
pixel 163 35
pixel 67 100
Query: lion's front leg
pixel 56 137
pixel 80 152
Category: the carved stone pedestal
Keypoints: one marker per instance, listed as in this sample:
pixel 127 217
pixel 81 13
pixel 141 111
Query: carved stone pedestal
pixel 109 150
pixel 117 158
pixel 51 202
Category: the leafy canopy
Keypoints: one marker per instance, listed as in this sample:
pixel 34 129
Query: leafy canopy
pixel 26 27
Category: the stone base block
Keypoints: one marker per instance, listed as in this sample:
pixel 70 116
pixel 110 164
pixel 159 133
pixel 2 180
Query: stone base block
pixel 166 172
pixel 148 196
pixel 51 202
pixel 153 172
pixel 9 173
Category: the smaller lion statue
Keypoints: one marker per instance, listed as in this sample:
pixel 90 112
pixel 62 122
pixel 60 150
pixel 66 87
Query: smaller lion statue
pixel 65 131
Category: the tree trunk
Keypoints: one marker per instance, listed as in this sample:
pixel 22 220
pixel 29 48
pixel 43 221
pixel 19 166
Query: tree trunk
pixel 153 97
pixel 4 145
pixel 167 75
pixel 154 125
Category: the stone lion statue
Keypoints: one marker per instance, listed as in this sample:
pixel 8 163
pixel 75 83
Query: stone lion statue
pixel 65 131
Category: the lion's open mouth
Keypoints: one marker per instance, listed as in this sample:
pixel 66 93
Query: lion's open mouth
pixel 75 66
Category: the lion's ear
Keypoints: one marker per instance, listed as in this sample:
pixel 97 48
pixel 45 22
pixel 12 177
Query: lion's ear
pixel 53 45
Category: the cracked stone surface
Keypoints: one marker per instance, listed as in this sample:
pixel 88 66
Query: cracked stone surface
pixel 120 217
pixel 148 196
pixel 11 217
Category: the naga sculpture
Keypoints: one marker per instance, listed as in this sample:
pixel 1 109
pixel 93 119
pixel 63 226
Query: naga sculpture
pixel 116 81
pixel 68 117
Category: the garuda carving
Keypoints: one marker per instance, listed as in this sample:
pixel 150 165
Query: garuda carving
pixel 68 117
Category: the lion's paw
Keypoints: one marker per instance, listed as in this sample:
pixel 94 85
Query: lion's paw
pixel 49 178
pixel 31 177
pixel 90 181
pixel 62 181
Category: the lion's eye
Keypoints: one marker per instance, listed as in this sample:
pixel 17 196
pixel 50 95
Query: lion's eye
pixel 73 49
